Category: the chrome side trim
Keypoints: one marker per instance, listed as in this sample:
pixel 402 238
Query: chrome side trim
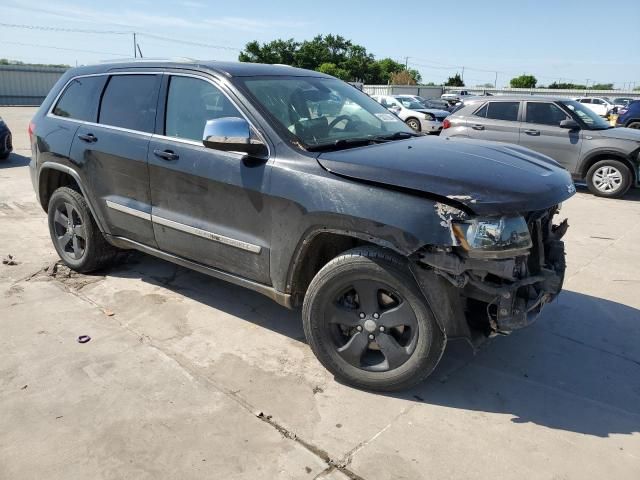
pixel 249 247
pixel 283 299
pixel 128 210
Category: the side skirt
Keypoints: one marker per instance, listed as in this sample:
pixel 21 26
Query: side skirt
pixel 283 299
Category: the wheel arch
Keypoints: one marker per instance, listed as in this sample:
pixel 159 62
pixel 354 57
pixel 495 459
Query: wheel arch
pixel 316 249
pixel 607 155
pixel 52 176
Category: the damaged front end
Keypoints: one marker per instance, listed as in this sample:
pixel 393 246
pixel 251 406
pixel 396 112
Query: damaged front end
pixel 503 270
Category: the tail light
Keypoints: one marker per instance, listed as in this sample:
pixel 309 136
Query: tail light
pixel 32 127
pixel 446 124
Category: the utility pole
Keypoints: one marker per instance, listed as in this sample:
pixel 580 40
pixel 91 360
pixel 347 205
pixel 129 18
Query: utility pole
pixel 135 45
pixel 406 63
pixel 462 78
pixel 495 82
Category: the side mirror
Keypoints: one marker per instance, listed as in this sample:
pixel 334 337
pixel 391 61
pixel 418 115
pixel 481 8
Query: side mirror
pixel 394 109
pixel 232 134
pixel 570 124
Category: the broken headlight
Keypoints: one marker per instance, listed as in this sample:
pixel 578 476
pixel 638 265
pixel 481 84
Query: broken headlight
pixel 493 237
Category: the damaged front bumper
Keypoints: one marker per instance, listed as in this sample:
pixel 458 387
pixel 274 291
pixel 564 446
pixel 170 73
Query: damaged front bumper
pixel 502 295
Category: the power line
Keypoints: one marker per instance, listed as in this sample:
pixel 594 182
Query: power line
pixel 63 48
pixel 187 42
pixel 120 32
pixel 61 29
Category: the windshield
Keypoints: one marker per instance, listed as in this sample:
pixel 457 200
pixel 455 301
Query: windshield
pixel 410 103
pixel 320 111
pixel 590 118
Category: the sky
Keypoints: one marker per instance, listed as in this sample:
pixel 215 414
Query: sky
pixel 561 40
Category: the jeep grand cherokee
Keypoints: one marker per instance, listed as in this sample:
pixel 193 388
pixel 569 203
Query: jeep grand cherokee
pixel 299 186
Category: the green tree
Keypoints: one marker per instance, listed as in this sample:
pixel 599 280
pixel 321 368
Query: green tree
pixel 524 81
pixel 566 86
pixel 334 70
pixel 602 86
pixel 455 81
pixel 276 51
pixel 636 89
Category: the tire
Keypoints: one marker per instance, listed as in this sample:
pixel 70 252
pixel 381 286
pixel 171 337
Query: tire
pixel 609 179
pixel 413 123
pixel 7 147
pixel 339 336
pixel 634 124
pixel 82 254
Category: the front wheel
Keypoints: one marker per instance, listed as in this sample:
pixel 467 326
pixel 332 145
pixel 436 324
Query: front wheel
pixel 634 125
pixel 413 123
pixel 368 323
pixel 609 178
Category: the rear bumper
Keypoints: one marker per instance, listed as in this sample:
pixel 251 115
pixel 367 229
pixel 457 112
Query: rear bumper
pixel 430 126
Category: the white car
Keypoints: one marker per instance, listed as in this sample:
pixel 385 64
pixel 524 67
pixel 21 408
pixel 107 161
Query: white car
pixel 600 105
pixel 413 113
pixel 452 95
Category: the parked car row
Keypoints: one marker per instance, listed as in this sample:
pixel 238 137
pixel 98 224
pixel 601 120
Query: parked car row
pixel 414 112
pixel 568 131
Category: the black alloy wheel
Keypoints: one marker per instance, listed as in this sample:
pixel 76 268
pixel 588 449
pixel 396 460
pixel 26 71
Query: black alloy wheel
pixel 372 326
pixel 70 232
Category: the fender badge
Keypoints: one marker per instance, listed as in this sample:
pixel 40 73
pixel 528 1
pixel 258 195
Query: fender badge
pixel 571 188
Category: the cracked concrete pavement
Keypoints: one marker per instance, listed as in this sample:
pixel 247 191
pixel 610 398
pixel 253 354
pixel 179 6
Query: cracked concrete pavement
pixel 189 377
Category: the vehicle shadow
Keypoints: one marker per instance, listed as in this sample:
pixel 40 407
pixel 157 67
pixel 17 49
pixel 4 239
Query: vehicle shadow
pixel 633 195
pixel 576 369
pixel 15 160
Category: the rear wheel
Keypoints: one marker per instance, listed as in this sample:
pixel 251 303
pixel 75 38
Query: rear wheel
pixel 413 123
pixel 635 125
pixel 368 323
pixel 75 235
pixel 609 178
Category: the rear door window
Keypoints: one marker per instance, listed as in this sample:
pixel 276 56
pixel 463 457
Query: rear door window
pixel 500 111
pixel 190 103
pixel 130 101
pixel 80 99
pixel 545 113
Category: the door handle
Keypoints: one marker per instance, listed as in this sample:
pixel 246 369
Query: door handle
pixel 166 154
pixel 532 132
pixel 478 127
pixel 88 137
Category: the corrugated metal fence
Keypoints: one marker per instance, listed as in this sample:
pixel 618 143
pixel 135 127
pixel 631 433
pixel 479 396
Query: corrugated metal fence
pixel 435 92
pixel 27 84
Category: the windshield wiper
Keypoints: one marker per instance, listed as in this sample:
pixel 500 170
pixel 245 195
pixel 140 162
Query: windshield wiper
pixel 344 143
pixel 341 144
pixel 397 136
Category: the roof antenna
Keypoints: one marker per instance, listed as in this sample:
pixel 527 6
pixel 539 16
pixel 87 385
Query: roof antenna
pixel 139 51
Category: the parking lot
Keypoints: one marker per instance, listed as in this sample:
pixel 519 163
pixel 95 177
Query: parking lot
pixel 188 377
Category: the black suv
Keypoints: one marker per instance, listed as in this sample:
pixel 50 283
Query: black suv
pixel 301 187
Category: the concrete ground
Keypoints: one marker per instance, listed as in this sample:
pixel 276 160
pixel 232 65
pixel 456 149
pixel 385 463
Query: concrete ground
pixel 187 377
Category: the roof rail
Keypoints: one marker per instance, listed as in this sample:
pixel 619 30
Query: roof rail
pixel 149 59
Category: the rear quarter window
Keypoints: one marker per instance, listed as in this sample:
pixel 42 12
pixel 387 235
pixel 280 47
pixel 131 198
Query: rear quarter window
pixel 79 101
pixel 499 111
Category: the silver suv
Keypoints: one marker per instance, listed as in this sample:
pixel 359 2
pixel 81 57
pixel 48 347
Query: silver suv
pixel 607 158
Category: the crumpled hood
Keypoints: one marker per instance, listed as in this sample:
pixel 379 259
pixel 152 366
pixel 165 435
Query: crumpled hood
pixel 619 133
pixel 435 111
pixel 489 178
